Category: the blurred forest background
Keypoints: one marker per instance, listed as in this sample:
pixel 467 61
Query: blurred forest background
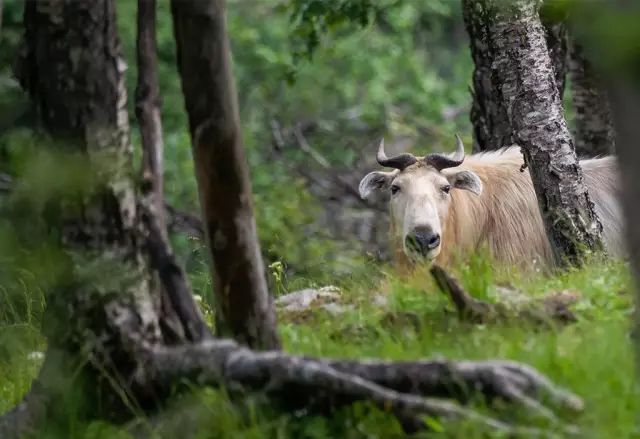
pixel 308 102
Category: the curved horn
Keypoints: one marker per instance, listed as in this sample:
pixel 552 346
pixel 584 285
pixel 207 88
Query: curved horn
pixel 441 161
pixel 400 162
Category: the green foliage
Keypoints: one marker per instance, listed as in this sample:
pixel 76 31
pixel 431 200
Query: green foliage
pixel 312 19
pixel 417 323
pixel 399 74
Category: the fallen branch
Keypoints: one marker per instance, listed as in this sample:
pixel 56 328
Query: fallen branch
pixel 553 306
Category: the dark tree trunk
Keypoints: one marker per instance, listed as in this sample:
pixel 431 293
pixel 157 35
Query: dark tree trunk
pixel 594 132
pixel 244 306
pixel 74 73
pixel 525 75
pixel 491 127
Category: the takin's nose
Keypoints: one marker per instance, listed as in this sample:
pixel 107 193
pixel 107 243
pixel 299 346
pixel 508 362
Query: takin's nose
pixel 422 240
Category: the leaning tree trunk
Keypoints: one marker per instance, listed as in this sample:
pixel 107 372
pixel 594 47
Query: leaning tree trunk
pixel 180 317
pixel 525 75
pixel 594 132
pixel 244 306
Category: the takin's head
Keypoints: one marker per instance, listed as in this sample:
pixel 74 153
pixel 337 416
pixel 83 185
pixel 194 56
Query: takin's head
pixel 420 196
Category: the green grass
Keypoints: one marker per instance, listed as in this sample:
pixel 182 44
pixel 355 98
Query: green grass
pixel 592 357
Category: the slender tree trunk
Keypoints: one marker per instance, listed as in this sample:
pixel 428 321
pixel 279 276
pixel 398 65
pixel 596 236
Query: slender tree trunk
pixel 148 108
pixel 180 317
pixel 525 75
pixel 491 127
pixel 594 132
pixel 244 306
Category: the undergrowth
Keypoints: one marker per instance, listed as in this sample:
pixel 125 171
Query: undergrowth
pixel 408 319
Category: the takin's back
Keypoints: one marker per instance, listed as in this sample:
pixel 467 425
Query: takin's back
pixel 506 216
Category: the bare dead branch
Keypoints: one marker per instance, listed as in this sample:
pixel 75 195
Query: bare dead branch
pixel 551 307
pixel 468 307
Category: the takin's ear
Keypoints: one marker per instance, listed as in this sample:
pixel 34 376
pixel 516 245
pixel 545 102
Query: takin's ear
pixel 375 181
pixel 467 180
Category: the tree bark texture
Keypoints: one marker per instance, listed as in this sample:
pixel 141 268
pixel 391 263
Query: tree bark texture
pixel 148 108
pixel 594 132
pixel 74 73
pixel 525 75
pixel 557 42
pixel 491 126
pixel 244 306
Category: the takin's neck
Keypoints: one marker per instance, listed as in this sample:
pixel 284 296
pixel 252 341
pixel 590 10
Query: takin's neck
pixel 505 217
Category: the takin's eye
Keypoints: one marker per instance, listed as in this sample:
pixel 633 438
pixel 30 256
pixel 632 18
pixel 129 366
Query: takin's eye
pixel 395 189
pixel 446 188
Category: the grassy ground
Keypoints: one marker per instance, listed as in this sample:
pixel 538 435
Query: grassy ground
pixel 592 357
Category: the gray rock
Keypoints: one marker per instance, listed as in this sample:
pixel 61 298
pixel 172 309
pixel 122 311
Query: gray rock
pixel 303 299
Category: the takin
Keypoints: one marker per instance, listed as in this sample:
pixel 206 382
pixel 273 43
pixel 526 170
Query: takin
pixel 443 205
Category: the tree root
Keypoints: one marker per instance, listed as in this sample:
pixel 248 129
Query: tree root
pixel 406 389
pixel 410 390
